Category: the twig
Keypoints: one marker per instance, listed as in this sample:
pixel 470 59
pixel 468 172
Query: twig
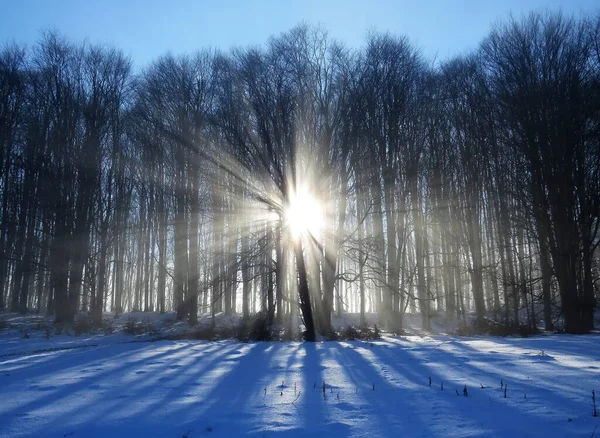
pixel 297 397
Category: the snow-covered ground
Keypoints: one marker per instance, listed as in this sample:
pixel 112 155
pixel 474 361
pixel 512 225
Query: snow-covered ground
pixel 118 385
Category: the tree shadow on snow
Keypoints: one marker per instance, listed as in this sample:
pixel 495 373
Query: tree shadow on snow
pixel 188 389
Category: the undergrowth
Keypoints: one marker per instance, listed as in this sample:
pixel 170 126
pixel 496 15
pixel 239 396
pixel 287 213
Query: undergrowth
pixel 257 329
pixel 494 328
pixel 134 327
pixel 353 333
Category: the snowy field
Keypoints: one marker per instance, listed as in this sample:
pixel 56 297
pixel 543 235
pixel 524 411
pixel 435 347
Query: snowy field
pixel 124 386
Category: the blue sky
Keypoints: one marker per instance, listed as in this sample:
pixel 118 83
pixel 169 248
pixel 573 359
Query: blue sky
pixel 145 29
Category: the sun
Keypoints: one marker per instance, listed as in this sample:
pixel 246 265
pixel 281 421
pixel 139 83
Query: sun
pixel 303 216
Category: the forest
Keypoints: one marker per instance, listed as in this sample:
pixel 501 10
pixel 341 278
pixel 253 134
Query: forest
pixel 303 177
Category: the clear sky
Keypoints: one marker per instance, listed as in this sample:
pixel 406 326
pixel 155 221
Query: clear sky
pixel 145 29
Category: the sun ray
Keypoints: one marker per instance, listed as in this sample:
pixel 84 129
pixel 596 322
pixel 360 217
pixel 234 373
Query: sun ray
pixel 303 216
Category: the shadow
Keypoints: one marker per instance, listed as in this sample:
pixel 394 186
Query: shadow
pixel 223 389
pixel 537 403
pixel 70 371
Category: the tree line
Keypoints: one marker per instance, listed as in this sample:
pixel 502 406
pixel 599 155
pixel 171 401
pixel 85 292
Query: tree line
pixel 470 186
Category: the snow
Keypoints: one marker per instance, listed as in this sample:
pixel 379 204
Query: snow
pixel 114 385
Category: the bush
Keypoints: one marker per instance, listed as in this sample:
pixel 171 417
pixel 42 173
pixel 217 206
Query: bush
pixel 108 327
pixel 131 326
pixel 493 328
pixel 257 328
pixel 3 324
pixel 352 333
pixel 289 334
pixel 207 333
pixel 526 331
pixel 134 327
pixel 146 327
pixel 349 333
pixel 464 329
pixel 204 333
pixel 83 325
pixel 398 331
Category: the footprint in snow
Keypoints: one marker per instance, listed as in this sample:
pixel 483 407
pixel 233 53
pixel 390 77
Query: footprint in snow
pixel 140 372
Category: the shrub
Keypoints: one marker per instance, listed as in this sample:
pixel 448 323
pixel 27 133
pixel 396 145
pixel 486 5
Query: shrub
pixel 493 328
pixel 260 330
pixel 146 327
pixel 206 333
pixel 349 333
pixel 134 327
pixel 82 326
pixel 130 326
pixel 290 334
pixel 352 333
pixel 464 329
pixel 108 327
pixel 202 333
pixel 398 331
pixel 256 328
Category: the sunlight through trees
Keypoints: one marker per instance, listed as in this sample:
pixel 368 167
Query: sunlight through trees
pixel 303 178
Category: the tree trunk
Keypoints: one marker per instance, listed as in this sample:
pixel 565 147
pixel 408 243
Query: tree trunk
pixel 304 294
